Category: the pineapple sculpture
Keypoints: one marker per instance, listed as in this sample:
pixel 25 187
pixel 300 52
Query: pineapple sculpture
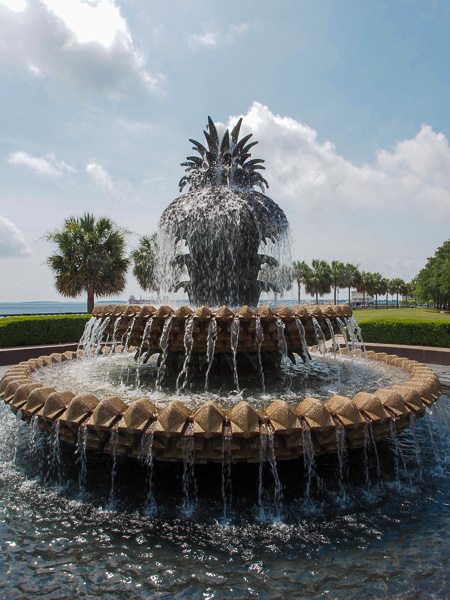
pixel 221 223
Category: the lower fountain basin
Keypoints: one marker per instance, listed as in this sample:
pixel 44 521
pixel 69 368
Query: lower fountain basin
pixel 293 428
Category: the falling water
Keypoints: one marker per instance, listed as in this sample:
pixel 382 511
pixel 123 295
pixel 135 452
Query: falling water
pixel 164 344
pixel 417 448
pixel 342 461
pixel 282 347
pixel 188 480
pixel 366 446
pixel 344 335
pixel 358 334
pixel 146 334
pixel 128 334
pixel 34 439
pixel 54 459
pixel 87 332
pixel 210 346
pixel 301 331
pixel 114 443
pixel 115 330
pixel 375 449
pixel 320 338
pixel 267 454
pixel 146 457
pixel 188 343
pixel 226 474
pixel 80 452
pixel 354 341
pixel 235 325
pixel 333 337
pixel 309 461
pixel 434 444
pixel 398 453
pixel 259 335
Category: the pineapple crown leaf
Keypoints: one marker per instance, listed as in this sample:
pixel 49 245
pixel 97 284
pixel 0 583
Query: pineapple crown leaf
pixel 223 161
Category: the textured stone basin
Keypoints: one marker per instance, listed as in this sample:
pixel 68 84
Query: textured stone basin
pixel 113 426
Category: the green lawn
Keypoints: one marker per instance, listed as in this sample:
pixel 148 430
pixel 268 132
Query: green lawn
pixel 423 314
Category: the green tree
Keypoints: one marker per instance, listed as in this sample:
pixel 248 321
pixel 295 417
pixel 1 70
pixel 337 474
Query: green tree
pixel 299 268
pixel 433 281
pixel 90 257
pixel 350 277
pixel 378 286
pixel 337 270
pixel 145 263
pixel 318 279
pixel 365 285
pixel 396 286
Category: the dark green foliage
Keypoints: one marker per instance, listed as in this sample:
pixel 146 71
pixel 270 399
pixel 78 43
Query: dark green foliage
pixel 433 281
pixel 407 332
pixel 31 330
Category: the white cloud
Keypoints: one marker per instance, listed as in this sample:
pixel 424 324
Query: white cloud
pixel 47 165
pixel 15 5
pixel 213 36
pixel 86 44
pixel 12 240
pixel 104 180
pixel 340 210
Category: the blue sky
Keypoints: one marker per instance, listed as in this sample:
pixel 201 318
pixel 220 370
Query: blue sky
pixel 348 101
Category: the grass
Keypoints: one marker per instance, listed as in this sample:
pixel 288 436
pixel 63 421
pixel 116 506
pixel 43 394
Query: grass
pixel 421 314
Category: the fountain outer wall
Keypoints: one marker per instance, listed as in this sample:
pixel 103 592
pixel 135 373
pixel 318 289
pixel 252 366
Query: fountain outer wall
pixel 115 427
pixel 224 317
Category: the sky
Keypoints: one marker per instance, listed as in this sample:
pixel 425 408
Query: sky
pixel 349 102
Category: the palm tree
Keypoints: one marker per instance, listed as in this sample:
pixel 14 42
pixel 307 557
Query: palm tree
pixel 378 287
pixel 337 269
pixel 299 269
pixel 318 279
pixel 145 259
pixel 90 257
pixel 365 285
pixel 395 287
pixel 350 277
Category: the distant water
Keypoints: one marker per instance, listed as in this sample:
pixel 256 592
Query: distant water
pixel 46 308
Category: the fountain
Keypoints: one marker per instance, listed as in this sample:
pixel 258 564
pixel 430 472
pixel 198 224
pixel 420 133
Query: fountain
pixel 215 232
pixel 319 475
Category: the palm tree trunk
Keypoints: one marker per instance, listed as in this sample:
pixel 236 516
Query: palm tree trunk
pixel 349 296
pixel 376 300
pixel 317 297
pixel 335 295
pixel 299 285
pixel 397 299
pixel 90 302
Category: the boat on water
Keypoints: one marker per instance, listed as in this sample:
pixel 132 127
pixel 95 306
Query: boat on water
pixel 133 300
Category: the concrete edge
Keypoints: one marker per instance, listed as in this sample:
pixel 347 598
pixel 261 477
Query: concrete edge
pixel 13 356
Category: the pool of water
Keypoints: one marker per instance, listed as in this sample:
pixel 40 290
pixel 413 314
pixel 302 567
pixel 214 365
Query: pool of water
pixel 119 375
pixel 376 526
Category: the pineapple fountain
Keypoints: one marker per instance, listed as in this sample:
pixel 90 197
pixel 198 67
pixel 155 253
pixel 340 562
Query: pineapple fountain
pixel 228 241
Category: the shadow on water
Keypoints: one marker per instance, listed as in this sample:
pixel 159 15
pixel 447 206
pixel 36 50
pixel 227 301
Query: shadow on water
pixel 373 524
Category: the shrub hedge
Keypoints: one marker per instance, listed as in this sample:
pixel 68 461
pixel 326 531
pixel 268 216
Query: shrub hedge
pixel 32 330
pixel 408 332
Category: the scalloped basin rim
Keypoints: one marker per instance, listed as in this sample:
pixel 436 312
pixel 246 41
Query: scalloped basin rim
pixel 311 422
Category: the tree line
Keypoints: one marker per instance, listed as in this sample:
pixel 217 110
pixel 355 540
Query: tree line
pixel 91 257
pixel 321 277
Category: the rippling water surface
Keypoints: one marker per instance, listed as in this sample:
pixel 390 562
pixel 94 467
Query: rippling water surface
pixel 383 533
pixel 119 375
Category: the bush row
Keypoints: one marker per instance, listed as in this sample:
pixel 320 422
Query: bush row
pixel 31 330
pixel 407 332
